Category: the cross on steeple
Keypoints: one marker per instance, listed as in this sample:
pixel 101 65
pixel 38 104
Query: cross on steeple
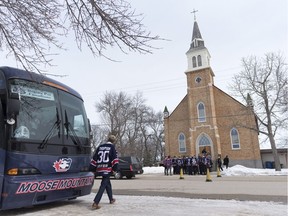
pixel 194 11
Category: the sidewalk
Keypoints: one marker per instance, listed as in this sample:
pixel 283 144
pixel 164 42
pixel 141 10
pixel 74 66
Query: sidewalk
pixel 153 206
pixel 169 195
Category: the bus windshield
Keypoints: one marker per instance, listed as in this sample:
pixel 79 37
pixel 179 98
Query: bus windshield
pixel 48 115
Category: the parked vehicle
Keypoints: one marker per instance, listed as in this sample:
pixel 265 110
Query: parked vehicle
pixel 129 166
pixel 44 141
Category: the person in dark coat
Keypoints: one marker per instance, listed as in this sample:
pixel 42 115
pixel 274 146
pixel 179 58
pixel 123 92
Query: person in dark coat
pixel 168 165
pixel 204 152
pixel 208 161
pixel 201 163
pixel 105 162
pixel 226 161
pixel 195 168
pixel 174 165
pixel 219 163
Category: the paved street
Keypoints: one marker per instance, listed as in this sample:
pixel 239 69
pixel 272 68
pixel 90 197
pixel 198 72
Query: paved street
pixel 156 194
pixel 254 188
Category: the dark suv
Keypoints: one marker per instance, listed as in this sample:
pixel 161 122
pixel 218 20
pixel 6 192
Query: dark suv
pixel 129 166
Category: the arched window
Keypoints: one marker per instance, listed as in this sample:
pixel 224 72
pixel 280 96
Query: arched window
pixel 199 60
pixel 235 142
pixel 204 140
pixel 182 142
pixel 194 62
pixel 201 112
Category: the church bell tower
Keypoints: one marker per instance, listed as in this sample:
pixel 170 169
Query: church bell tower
pixel 200 97
pixel 198 56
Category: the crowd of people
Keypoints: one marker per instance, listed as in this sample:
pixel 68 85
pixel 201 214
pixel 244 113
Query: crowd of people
pixel 192 165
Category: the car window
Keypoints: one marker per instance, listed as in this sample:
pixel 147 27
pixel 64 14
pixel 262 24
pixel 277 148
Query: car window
pixel 122 161
pixel 135 160
pixel 125 159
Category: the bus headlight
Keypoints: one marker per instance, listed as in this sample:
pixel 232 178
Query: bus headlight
pixel 85 169
pixel 13 171
pixel 22 171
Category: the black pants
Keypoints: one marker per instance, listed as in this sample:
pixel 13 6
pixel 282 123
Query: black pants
pixel 105 185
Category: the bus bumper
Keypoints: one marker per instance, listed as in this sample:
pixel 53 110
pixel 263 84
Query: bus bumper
pixel 22 191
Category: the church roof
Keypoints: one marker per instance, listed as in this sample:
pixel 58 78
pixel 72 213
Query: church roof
pixel 196 32
pixel 197 40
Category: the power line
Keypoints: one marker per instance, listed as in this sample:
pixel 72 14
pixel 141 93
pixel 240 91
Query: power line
pixel 150 88
pixel 196 118
pixel 190 119
pixel 163 85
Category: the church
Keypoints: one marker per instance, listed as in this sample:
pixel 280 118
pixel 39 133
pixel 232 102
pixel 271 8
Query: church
pixel 209 118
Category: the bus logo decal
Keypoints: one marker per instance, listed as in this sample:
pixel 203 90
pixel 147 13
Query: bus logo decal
pixel 52 185
pixel 62 165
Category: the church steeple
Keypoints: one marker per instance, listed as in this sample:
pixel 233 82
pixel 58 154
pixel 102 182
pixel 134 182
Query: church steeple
pixel 249 101
pixel 198 56
pixel 197 40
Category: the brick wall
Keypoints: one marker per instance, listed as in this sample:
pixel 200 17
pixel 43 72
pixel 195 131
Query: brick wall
pixel 222 114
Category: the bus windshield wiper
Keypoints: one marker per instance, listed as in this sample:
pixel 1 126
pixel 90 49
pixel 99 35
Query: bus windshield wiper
pixel 73 135
pixel 56 125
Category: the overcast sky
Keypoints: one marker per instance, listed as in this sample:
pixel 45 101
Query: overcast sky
pixel 231 30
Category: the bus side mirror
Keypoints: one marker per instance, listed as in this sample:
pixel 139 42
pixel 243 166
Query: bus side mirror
pixel 13 107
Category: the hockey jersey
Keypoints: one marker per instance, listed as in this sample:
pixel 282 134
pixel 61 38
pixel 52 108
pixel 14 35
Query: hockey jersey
pixel 105 159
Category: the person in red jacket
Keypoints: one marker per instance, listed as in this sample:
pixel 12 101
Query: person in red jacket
pixel 105 162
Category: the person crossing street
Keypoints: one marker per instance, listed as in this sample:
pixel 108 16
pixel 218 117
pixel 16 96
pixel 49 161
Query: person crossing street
pixel 105 162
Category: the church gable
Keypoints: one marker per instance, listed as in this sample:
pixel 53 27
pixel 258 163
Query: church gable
pixel 173 132
pixel 226 107
pixel 180 110
pixel 235 118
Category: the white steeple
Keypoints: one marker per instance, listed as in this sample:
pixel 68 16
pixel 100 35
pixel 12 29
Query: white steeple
pixel 198 56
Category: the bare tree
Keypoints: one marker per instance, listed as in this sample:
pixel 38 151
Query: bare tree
pixel 155 123
pixel 28 29
pixel 137 123
pixel 150 138
pixel 138 129
pixel 99 135
pixel 115 113
pixel 265 82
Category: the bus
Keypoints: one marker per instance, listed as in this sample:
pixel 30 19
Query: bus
pixel 45 148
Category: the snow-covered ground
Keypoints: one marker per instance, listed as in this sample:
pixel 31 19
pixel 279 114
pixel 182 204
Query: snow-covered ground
pixel 236 170
pixel 147 205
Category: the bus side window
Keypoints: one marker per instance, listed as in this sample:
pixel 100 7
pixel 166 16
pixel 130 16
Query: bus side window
pixel 79 126
pixel 2 92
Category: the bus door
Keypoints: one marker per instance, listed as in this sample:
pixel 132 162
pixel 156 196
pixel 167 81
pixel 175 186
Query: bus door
pixel 2 161
pixel 12 110
pixel 2 151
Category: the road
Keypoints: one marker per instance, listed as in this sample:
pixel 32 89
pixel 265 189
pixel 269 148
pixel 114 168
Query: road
pixel 253 188
pixel 156 194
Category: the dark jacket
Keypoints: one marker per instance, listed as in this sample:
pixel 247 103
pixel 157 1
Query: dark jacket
pixel 219 162
pixel 105 160
pixel 226 161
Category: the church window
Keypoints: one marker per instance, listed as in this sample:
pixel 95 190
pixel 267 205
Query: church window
pixel 201 112
pixel 182 142
pixel 199 60
pixel 194 62
pixel 235 138
pixel 198 79
pixel 204 140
